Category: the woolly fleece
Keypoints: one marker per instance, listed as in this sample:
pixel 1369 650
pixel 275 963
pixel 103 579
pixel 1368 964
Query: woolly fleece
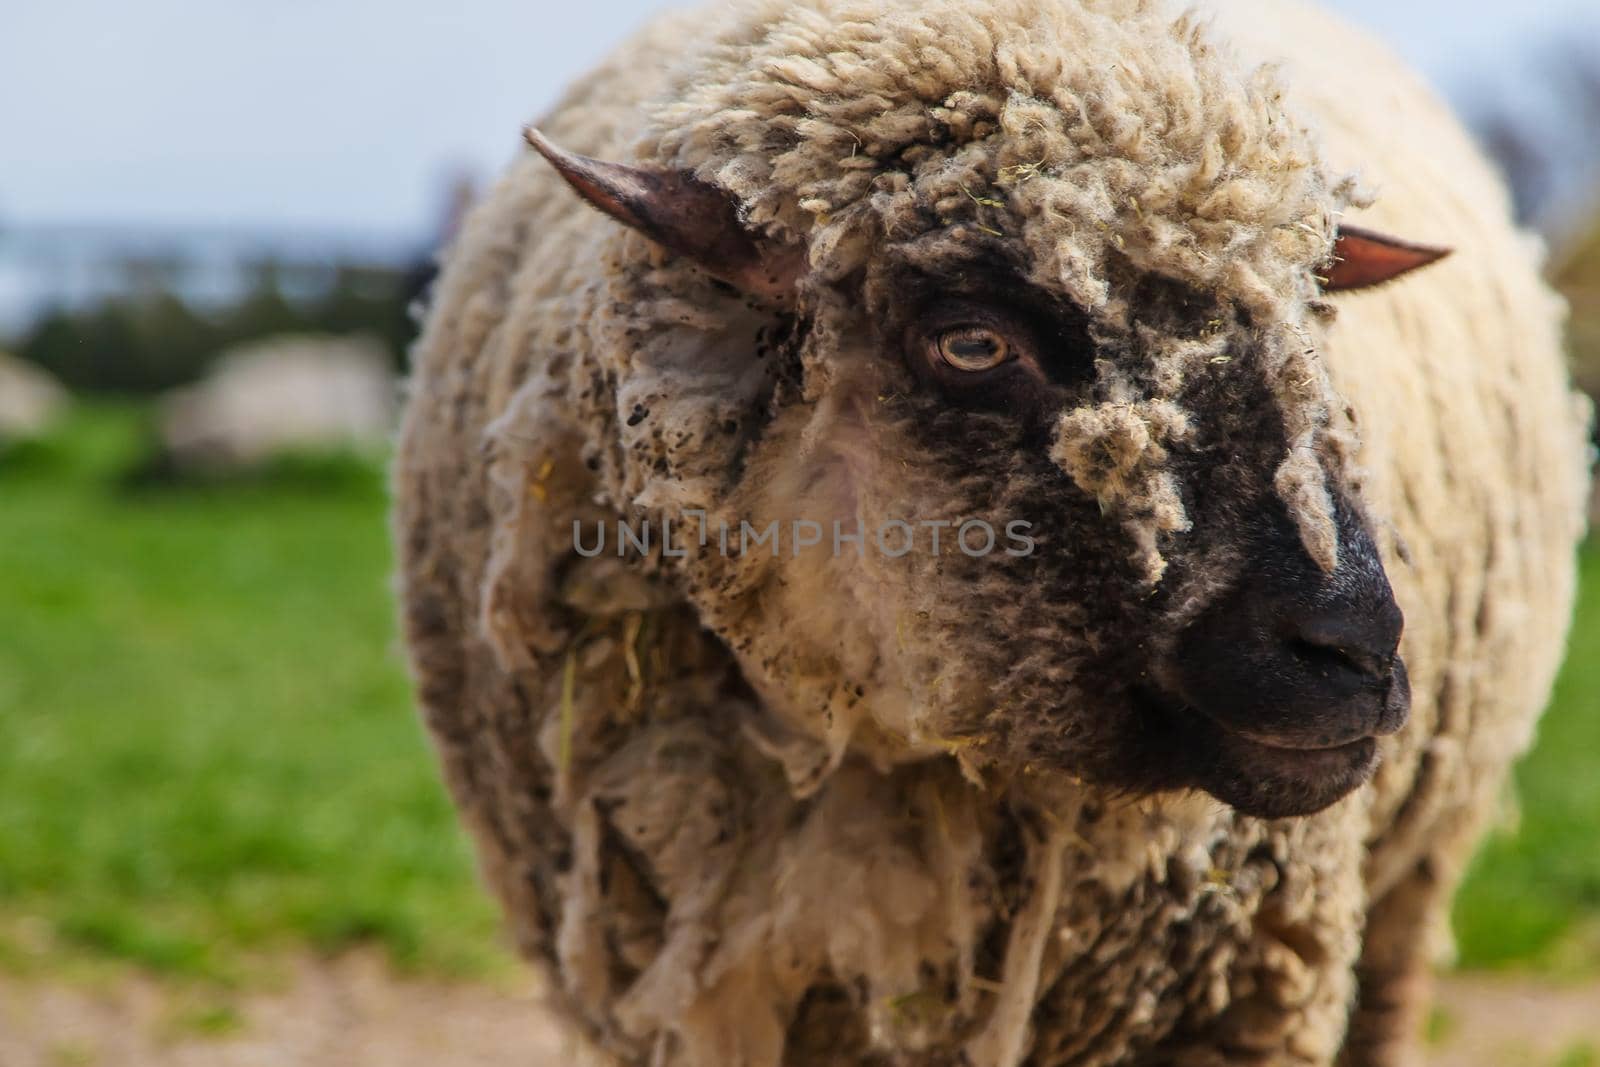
pixel 755 813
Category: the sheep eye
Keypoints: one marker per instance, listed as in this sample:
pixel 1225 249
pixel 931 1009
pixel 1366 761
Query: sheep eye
pixel 973 348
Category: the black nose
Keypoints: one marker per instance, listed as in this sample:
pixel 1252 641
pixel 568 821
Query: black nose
pixel 1297 658
pixel 1334 640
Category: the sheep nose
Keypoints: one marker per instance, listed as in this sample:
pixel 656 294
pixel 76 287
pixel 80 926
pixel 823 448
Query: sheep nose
pixel 1330 643
pixel 1296 658
pixel 1327 641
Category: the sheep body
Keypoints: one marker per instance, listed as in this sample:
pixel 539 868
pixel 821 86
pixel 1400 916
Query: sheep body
pixel 283 394
pixel 30 399
pixel 715 871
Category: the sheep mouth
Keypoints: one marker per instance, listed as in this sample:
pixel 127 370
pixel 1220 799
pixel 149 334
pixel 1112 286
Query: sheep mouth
pixel 1274 782
pixel 1257 775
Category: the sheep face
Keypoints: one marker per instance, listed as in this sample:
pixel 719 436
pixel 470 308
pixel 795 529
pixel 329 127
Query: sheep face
pixel 1164 626
pixel 1173 625
pixel 1031 397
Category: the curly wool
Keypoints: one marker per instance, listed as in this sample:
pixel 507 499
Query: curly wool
pixel 1115 453
pixel 788 876
pixel 1171 155
pixel 1110 136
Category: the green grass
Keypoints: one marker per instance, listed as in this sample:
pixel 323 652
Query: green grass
pixel 1533 896
pixel 208 752
pixel 207 747
pixel 1582 1054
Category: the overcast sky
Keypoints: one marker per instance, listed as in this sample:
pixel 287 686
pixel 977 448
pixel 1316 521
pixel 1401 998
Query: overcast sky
pixel 351 114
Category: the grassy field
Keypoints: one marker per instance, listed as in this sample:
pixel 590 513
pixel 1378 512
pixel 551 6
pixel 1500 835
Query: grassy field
pixel 1533 895
pixel 206 739
pixel 207 749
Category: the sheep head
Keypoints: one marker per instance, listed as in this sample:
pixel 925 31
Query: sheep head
pixel 1021 361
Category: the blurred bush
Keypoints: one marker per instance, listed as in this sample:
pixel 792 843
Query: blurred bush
pixel 1577 275
pixel 152 339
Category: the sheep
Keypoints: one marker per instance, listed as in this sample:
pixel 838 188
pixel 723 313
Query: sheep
pixel 1143 782
pixel 284 393
pixel 31 400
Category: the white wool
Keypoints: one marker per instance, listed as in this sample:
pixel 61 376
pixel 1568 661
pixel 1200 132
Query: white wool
pixel 722 852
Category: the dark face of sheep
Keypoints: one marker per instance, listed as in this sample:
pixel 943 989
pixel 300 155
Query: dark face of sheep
pixel 1124 594
pixel 1229 659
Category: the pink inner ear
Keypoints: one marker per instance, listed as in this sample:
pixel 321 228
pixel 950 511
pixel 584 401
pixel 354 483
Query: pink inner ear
pixel 1362 258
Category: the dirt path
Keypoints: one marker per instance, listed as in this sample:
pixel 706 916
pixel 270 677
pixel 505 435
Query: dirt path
pixel 1489 1021
pixel 347 1013
pixel 353 1013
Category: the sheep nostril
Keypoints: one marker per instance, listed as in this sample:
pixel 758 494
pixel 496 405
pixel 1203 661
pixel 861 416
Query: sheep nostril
pixel 1328 643
pixel 1326 657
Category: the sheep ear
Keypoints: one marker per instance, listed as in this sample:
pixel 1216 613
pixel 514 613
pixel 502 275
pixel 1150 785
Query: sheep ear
pixel 682 214
pixel 1362 258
